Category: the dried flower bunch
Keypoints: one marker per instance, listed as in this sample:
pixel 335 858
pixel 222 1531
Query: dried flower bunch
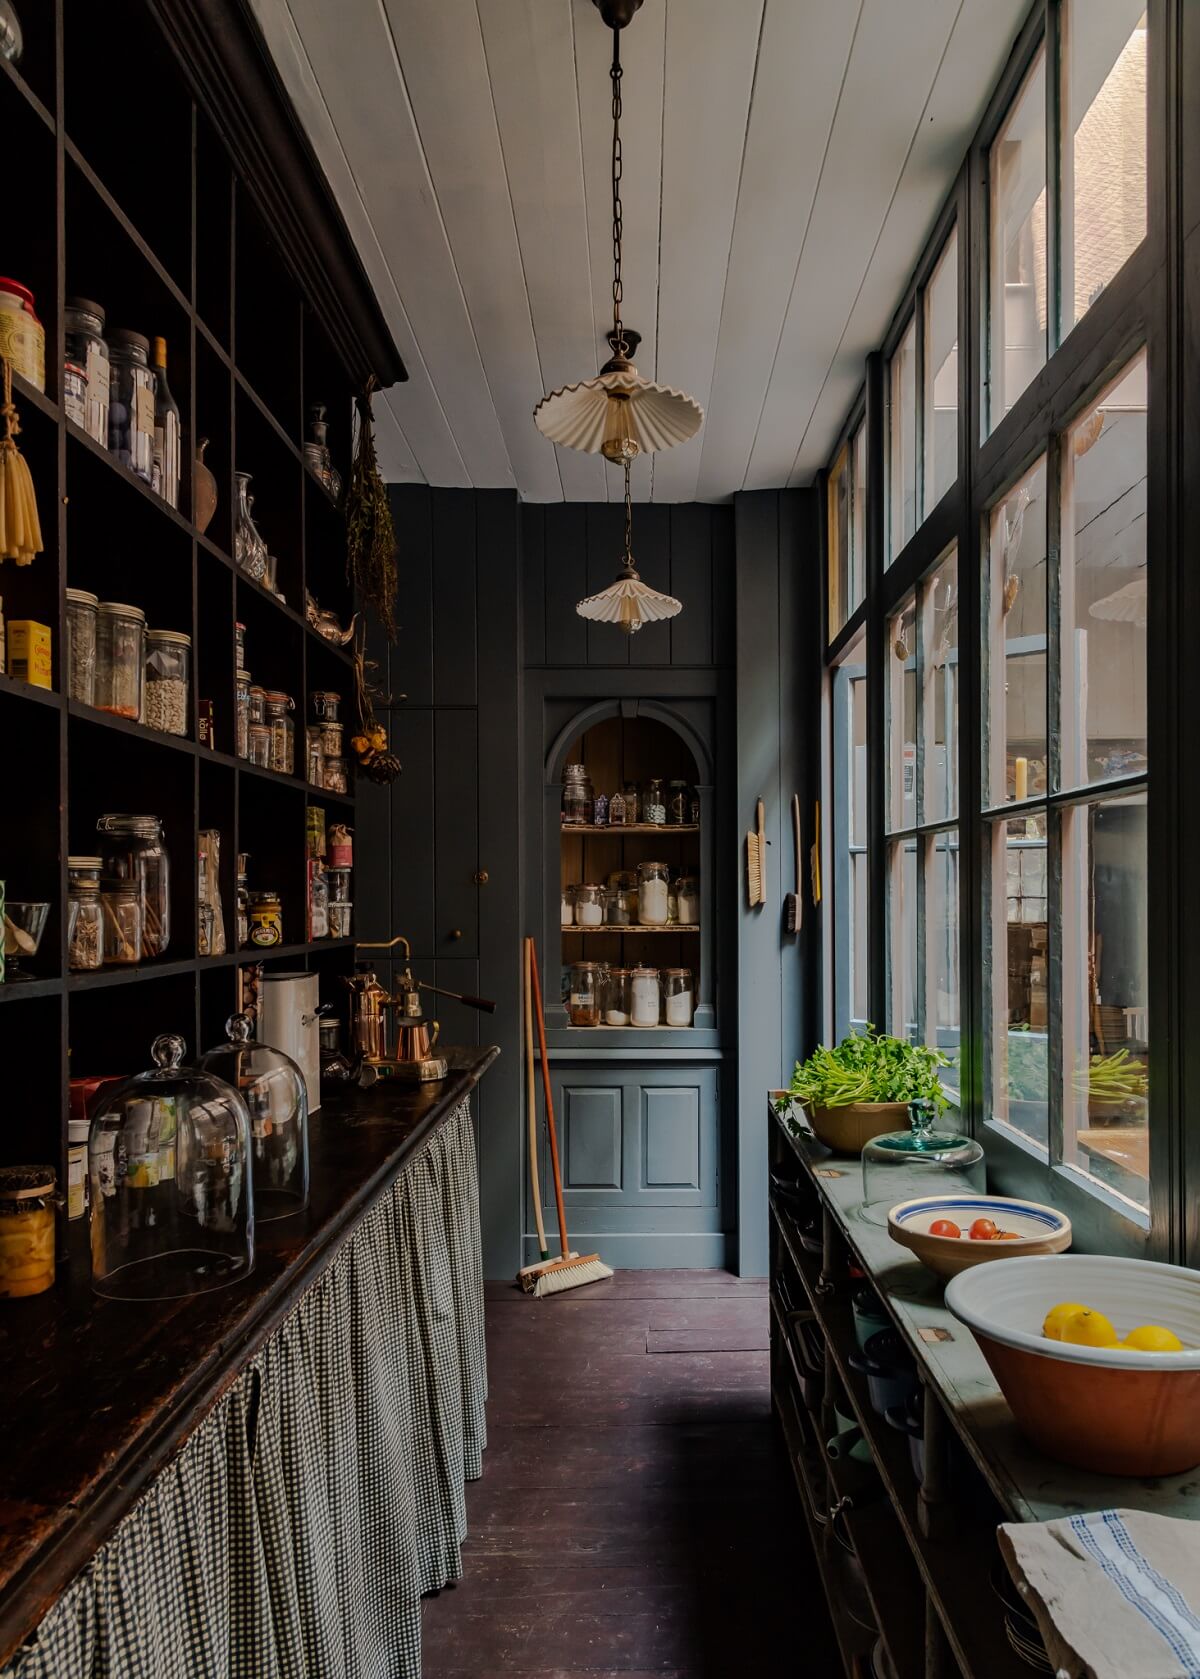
pixel 369 743
pixel 370 534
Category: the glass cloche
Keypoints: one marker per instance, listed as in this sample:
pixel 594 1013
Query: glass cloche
pixel 900 1165
pixel 172 1208
pixel 273 1089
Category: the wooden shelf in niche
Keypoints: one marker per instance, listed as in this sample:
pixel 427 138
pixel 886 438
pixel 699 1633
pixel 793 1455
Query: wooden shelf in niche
pixel 620 830
pixel 636 932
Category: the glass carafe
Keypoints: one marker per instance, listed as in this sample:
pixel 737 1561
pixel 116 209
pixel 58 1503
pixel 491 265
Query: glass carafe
pixel 272 1087
pixel 249 549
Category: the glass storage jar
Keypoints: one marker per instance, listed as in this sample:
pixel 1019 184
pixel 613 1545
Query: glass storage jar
pixel 84 322
pixel 339 885
pixel 679 996
pixel 335 775
pixel 273 1089
pixel 121 908
pixel 590 901
pixel 82 613
pixel 633 802
pixel 654 803
pixel 172 1204
pixel 120 656
pixel 644 997
pixel 339 920
pixel 900 1165
pixel 22 336
pixel 168 681
pixel 616 997
pixel 258 704
pixel 85 915
pixel 654 890
pixel 260 745
pixel 131 390
pixel 325 705
pixel 622 898
pixel 132 848
pixel 314 757
pixel 74 383
pixel 241 713
pixel 567 913
pixel 687 898
pixel 578 803
pixel 318 901
pixel 679 803
pixel 283 732
pixel 331 745
pixel 586 993
pixel 266 919
pixel 27 1230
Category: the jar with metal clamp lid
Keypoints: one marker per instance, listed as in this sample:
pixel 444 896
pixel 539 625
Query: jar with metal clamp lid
pixel 27 1230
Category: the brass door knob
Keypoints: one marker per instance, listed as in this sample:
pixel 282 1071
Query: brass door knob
pixel 481 877
pixel 456 932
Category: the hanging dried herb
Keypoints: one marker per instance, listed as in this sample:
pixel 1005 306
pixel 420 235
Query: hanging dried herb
pixel 370 534
pixel 369 744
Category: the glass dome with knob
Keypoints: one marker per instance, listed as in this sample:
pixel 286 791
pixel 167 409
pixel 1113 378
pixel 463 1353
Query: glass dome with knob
pixel 273 1089
pixel 172 1206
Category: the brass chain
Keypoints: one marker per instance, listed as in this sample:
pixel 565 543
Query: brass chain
pixel 627 561
pixel 618 294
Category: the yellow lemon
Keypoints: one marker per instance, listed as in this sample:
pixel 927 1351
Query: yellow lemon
pixel 1086 1328
pixel 1153 1338
pixel 1057 1316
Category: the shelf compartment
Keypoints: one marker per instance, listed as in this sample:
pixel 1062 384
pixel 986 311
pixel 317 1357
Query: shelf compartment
pixel 32 1049
pixel 637 932
pixel 608 831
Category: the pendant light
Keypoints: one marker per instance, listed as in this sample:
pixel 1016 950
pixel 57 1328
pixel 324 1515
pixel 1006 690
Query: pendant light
pixel 618 414
pixel 629 603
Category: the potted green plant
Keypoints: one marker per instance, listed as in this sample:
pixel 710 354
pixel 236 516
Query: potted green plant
pixel 863 1086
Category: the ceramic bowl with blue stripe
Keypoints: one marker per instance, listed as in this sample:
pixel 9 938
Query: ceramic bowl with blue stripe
pixel 1033 1229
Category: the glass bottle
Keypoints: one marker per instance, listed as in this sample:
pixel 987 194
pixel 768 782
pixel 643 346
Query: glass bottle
pixel 241 714
pixel 654 803
pixel 165 473
pixel 283 733
pixel 85 919
pixel 168 681
pixel 131 395
pixel 679 999
pixel 679 803
pixel 85 344
pixel 249 549
pixel 633 804
pixel 316 451
pixel 121 906
pixel 687 894
pixel 577 800
pixel 81 645
pixel 616 997
pixel 584 999
pixel 654 892
pixel 132 849
pixel 120 657
pixel 644 997
pixel 172 1207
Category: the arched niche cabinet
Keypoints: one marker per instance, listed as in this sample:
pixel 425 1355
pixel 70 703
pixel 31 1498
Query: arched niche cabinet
pixel 622 741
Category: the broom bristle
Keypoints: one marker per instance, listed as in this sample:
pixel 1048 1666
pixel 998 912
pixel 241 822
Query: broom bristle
pixel 562 1274
pixel 529 1274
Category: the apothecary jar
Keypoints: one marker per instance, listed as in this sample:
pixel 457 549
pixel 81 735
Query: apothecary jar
pixel 132 848
pixel 591 901
pixel 679 996
pixel 585 997
pixel 644 997
pixel 654 894
pixel 273 1089
pixel 172 1205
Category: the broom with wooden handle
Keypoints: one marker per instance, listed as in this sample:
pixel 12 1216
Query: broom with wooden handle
pixel 535 1181
pixel 572 1270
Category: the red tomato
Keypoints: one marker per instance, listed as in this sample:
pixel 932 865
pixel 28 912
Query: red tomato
pixel 1008 1235
pixel 944 1227
pixel 983 1230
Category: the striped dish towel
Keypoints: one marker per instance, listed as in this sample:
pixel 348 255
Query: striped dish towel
pixel 1116 1593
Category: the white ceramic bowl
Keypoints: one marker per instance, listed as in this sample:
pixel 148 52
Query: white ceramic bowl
pixel 1107 1408
pixel 1040 1230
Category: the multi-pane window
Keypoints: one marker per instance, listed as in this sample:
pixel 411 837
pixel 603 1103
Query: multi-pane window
pixel 1065 762
pixel 902 442
pixel 849 841
pixel 941 375
pixel 847 503
pixel 1017 280
pixel 922 814
pixel 1103 146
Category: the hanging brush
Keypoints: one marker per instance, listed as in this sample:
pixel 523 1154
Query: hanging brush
pixel 20 528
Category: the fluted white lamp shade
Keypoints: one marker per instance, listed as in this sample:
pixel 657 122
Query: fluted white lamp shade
pixel 619 415
pixel 629 603
pixel 1124 606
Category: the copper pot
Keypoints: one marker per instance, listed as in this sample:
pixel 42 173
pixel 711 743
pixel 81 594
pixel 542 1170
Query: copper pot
pixel 415 1039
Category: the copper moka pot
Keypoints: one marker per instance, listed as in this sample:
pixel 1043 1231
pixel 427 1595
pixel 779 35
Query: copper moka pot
pixel 413 1055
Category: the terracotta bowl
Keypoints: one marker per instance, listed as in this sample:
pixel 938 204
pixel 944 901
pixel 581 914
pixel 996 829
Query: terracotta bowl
pixel 1039 1230
pixel 1105 1408
pixel 845 1130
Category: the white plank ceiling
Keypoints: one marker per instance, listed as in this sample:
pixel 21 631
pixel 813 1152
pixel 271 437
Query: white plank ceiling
pixel 784 163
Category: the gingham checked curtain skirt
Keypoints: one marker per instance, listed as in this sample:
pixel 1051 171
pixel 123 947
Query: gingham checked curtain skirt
pixel 293 1535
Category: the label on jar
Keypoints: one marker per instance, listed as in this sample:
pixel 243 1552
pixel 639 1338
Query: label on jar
pixel 76 1180
pixel 97 370
pixel 143 410
pixel 166 458
pixel 23 343
pixel 265 928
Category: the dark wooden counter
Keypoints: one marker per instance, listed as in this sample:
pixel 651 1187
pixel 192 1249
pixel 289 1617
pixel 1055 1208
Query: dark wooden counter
pixel 98 1394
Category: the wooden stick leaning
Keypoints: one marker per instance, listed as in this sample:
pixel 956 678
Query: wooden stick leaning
pixel 535 1180
pixel 571 1271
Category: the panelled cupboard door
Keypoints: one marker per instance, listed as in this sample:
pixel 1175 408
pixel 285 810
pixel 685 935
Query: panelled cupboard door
pixel 456 833
pixel 633 1137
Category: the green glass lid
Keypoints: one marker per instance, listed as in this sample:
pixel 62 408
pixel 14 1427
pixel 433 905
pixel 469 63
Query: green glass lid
pixel 921 1139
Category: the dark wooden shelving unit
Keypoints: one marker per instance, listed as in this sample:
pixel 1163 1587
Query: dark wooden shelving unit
pixel 220 237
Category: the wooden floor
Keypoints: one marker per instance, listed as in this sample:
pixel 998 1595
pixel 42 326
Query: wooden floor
pixel 636 1514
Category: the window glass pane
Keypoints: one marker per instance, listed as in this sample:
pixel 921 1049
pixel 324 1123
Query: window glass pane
pixel 939 648
pixel 1014 609
pixel 1104 146
pixel 1016 971
pixel 858 516
pixel 1102 657
pixel 1105 993
pixel 902 442
pixel 848 849
pixel 1017 251
pixel 941 376
pixel 902 939
pixel 943 1017
pixel 838 515
pixel 902 718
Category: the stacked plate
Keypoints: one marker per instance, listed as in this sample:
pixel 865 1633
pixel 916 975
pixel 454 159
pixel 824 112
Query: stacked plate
pixel 1019 1623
